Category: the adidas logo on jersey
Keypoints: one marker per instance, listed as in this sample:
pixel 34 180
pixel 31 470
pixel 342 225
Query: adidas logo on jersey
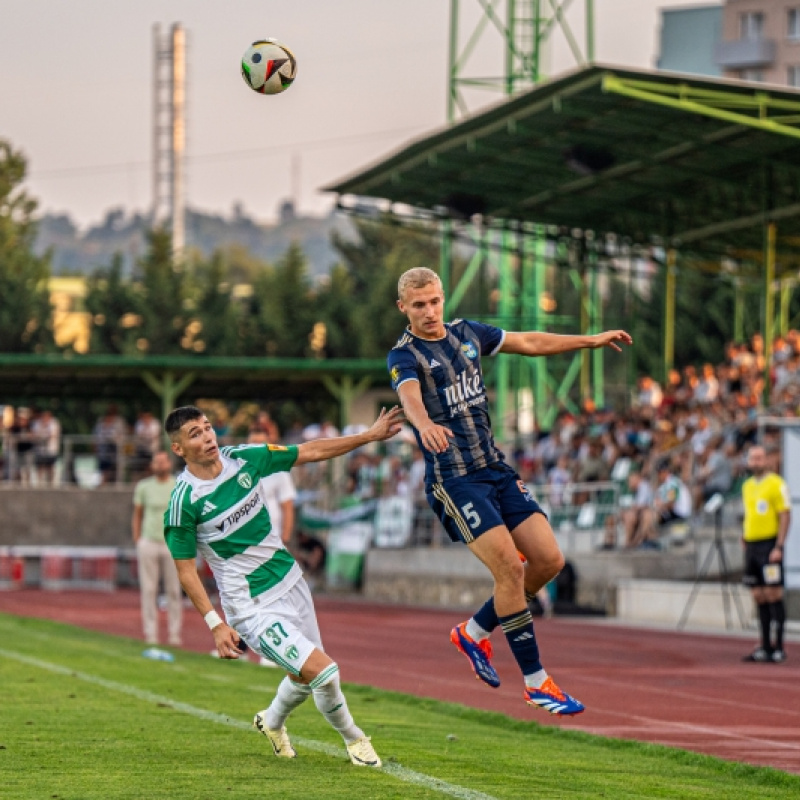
pixel 208 507
pixel 435 363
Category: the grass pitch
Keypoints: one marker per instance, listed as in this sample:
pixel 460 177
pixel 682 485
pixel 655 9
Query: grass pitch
pixel 84 716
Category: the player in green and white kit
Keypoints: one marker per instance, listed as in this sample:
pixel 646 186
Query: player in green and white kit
pixel 217 510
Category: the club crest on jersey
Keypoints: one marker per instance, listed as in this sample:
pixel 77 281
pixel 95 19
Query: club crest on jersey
pixel 245 481
pixel 291 652
pixel 395 374
pixel 469 350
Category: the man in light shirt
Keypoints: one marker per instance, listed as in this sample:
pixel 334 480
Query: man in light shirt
pixel 150 500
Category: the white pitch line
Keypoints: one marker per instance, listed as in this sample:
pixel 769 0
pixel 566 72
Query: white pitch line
pixel 395 770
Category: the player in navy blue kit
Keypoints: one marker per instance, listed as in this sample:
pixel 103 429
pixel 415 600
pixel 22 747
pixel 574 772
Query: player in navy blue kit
pixel 435 368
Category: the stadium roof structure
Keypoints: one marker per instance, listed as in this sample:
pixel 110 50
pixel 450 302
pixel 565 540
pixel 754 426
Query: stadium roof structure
pixel 695 163
pixel 24 378
pixel 705 168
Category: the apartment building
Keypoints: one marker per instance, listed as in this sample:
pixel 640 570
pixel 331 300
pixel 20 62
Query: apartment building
pixel 760 41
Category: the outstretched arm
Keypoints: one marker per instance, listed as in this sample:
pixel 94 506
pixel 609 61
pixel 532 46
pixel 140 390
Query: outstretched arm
pixel 538 343
pixel 386 426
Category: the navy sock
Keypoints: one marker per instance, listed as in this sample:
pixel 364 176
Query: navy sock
pixel 765 618
pixel 518 629
pixel 486 616
pixel 778 614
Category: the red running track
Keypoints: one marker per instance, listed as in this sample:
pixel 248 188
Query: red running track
pixel 686 690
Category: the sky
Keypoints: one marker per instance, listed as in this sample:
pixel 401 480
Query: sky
pixel 76 78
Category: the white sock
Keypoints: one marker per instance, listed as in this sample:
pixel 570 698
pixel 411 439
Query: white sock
pixel 332 705
pixel 475 631
pixel 536 680
pixel 289 696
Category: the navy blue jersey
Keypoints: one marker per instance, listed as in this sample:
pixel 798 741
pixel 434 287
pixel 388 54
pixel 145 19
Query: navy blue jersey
pixel 453 392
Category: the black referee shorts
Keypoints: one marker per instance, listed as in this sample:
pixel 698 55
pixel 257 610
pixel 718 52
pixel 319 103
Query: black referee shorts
pixel 758 571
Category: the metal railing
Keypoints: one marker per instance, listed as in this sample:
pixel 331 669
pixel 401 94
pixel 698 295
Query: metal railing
pixel 87 461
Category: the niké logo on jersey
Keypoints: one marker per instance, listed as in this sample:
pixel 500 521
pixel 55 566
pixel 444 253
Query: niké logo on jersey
pixel 245 481
pixel 468 387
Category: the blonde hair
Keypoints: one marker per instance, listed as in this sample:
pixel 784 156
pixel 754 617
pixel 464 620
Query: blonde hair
pixel 416 278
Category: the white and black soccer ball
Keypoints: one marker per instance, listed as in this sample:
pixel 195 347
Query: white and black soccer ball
pixel 268 67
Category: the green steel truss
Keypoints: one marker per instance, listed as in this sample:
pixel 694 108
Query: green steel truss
pixel 517 261
pixel 525 27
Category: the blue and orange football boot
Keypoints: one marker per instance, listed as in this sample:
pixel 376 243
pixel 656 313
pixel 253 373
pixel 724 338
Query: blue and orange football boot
pixel 549 697
pixel 478 653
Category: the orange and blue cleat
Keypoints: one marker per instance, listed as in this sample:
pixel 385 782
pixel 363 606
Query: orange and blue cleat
pixel 549 697
pixel 478 653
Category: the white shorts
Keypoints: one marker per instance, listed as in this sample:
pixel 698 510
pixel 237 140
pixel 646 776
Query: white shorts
pixel 286 631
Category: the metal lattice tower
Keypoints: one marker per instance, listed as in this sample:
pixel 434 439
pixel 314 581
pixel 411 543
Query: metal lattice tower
pixel 526 28
pixel 169 132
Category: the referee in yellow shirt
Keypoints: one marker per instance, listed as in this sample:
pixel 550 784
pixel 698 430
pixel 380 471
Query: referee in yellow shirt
pixel 766 525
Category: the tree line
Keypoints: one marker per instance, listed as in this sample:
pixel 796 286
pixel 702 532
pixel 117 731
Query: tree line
pixel 232 304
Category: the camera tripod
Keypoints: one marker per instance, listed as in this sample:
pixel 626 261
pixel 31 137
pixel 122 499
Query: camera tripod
pixel 729 595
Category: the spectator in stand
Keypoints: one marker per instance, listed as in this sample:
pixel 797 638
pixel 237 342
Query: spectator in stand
pixel 787 374
pixel 673 391
pixel 702 435
pixel 295 433
pixel 757 348
pixel 310 554
pixel 650 394
pixel 109 435
pixel 593 467
pixel 640 497
pixel 266 425
pixel 328 430
pixel 46 431
pixel 21 457
pixel 713 472
pixel 707 389
pixel 146 440
pixel 558 478
pixel 664 437
pixel 781 350
pixel 673 503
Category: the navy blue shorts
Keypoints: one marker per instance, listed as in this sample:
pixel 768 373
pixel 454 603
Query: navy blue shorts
pixel 473 504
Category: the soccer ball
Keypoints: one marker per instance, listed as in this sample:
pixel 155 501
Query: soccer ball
pixel 268 67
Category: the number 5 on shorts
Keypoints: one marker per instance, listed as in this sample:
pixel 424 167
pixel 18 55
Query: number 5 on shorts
pixel 473 518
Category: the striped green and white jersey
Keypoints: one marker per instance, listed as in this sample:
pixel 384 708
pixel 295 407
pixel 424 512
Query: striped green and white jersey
pixel 227 522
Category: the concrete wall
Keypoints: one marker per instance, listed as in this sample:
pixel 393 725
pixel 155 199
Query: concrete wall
pixel 65 516
pixel 665 602
pixel 450 577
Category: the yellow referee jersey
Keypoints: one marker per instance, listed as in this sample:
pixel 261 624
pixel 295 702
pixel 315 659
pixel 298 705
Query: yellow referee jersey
pixel 763 500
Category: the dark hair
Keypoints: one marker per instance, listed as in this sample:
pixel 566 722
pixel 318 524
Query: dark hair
pixel 177 418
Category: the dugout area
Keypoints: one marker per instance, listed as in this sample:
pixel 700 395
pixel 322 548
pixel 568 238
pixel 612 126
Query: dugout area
pixel 706 170
pixel 28 378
